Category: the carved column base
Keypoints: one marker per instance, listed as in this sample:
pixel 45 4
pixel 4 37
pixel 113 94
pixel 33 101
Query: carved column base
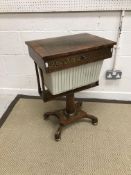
pixel 66 119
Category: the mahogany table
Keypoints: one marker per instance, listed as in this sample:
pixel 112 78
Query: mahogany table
pixel 68 57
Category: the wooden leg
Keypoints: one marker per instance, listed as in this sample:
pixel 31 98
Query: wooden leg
pixel 47 114
pixel 58 133
pixel 70 104
pixel 93 118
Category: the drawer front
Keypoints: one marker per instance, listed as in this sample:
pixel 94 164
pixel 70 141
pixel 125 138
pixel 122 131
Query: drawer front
pixel 65 62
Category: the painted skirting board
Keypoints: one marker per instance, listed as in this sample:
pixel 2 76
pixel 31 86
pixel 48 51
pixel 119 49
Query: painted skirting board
pixel 83 94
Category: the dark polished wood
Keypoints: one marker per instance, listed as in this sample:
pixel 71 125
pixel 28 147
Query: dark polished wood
pixel 60 53
pixel 38 79
pixel 67 45
pixel 70 105
pixel 77 59
pixel 69 51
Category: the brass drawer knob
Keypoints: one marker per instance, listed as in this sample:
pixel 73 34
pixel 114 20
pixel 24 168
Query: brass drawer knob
pixel 83 57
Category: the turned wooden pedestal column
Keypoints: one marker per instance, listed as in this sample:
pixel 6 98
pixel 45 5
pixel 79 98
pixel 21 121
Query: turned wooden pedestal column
pixel 70 105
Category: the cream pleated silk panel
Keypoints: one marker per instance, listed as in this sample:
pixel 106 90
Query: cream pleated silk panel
pixel 71 78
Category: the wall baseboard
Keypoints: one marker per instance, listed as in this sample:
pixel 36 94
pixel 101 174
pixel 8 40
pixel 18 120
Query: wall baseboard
pixel 15 91
pixel 126 96
pixel 109 95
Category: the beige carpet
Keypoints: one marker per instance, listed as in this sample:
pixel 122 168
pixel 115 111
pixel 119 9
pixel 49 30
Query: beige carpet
pixel 27 145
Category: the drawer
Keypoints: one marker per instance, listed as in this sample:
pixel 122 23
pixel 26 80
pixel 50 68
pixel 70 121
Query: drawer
pixel 60 63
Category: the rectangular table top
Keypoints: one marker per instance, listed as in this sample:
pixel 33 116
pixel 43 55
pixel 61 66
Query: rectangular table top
pixel 66 45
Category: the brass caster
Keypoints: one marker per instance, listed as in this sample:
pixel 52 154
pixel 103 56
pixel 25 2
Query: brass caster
pixel 95 121
pixel 58 133
pixel 57 137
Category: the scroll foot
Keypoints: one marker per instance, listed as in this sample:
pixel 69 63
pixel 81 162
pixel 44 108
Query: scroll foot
pixel 47 114
pixel 58 133
pixel 94 119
